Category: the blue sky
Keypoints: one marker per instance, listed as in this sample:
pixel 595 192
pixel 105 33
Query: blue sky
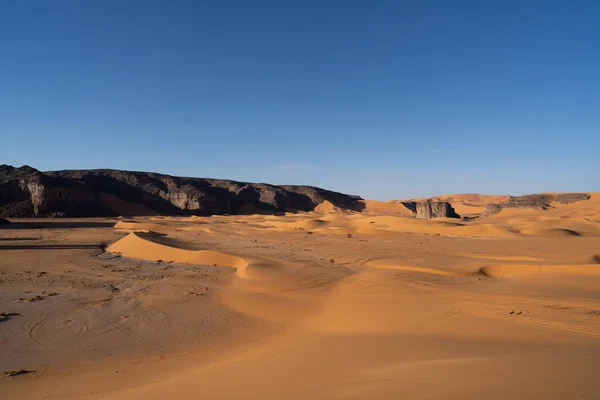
pixel 385 99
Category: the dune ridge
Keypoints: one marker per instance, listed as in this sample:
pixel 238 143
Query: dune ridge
pixel 510 271
pixel 140 245
pixel 134 226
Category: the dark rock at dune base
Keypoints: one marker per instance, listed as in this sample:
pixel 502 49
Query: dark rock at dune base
pixel 428 209
pixel 27 192
pixel 536 201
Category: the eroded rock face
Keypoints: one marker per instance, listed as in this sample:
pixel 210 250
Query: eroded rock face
pixel 536 201
pixel 428 209
pixel 26 192
pixel 36 191
pixel 182 200
pixel 568 198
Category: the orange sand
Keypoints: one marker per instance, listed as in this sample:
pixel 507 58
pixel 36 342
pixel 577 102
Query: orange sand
pixel 330 304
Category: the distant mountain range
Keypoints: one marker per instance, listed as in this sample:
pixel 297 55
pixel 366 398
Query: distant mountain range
pixel 27 192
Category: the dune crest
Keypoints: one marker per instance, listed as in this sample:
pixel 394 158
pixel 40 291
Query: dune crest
pixel 133 226
pixel 139 245
pixel 327 207
pixel 511 271
pixel 387 207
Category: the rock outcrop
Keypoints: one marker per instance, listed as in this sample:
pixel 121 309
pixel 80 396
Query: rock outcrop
pixel 27 192
pixel 568 198
pixel 428 209
pixel 536 201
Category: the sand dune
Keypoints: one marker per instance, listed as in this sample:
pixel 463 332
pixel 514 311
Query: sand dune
pixel 389 264
pixel 581 224
pixel 552 222
pixel 493 271
pixel 134 226
pixel 327 207
pixel 372 224
pixel 436 227
pixel 328 304
pixel 386 207
pixel 498 257
pixel 508 271
pixel 465 210
pixel 141 245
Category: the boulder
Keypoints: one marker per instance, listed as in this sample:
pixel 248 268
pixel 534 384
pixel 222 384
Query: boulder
pixel 428 209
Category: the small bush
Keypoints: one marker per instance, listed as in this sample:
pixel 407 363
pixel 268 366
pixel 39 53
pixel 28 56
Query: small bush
pixel 331 261
pixel 349 235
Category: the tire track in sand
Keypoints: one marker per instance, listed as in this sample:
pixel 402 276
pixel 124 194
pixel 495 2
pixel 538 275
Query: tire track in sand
pixel 44 317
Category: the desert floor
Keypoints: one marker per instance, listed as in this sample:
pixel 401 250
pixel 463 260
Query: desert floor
pixel 322 305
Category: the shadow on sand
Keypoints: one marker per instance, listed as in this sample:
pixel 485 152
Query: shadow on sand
pixel 52 246
pixel 17 239
pixel 57 225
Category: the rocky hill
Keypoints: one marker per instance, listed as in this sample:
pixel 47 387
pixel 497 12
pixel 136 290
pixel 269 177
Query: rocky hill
pixel 536 201
pixel 27 192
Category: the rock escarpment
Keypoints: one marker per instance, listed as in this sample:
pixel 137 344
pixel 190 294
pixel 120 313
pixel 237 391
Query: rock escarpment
pixel 568 198
pixel 27 192
pixel 537 201
pixel 428 209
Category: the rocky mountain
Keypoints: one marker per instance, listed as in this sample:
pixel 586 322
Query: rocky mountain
pixel 27 192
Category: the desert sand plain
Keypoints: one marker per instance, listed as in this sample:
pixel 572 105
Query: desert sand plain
pixel 329 304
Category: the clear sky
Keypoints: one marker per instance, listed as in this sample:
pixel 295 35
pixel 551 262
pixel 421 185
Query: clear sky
pixel 385 99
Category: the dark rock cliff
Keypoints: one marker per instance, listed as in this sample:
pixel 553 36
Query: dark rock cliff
pixel 26 192
pixel 435 209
